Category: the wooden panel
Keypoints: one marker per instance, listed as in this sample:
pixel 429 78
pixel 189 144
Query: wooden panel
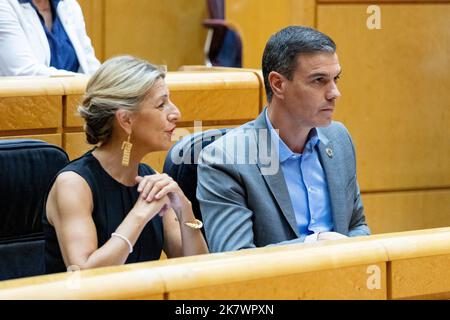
pixel 141 284
pixel 204 96
pixel 303 12
pixel 420 261
pixel 74 85
pixel 72 118
pixel 380 1
pixel 26 86
pixel 74 89
pixel 343 283
pixel 416 244
pixel 404 211
pixel 270 16
pixel 193 107
pixel 421 277
pixel 93 12
pixel 323 270
pixel 163 32
pixel 278 271
pixel 55 139
pixel 27 112
pixel 215 96
pixel 394 89
pixel 75 144
pixel 257 72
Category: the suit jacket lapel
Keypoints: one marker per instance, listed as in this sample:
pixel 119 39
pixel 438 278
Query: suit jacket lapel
pixel 276 182
pixel 328 158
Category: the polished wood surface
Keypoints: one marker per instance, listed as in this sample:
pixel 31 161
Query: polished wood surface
pixel 342 283
pixel 395 78
pixel 23 112
pixel 34 105
pixel 408 210
pixel 257 72
pixel 215 96
pixel 340 269
pixel 200 96
pixel 164 32
pixel 394 88
pixel 256 21
pixel 421 278
pixel 94 17
pixel 381 1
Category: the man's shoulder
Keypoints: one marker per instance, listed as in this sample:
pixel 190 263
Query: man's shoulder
pixel 335 131
pixel 233 135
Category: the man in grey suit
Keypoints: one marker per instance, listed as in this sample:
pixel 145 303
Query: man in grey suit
pixel 288 176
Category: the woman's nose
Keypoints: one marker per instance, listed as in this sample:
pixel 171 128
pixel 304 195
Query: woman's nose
pixel 174 113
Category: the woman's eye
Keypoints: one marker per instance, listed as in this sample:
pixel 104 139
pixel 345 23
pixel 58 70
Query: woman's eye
pixel 161 106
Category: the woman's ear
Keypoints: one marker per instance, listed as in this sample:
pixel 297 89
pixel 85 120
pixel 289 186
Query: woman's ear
pixel 124 119
pixel 277 83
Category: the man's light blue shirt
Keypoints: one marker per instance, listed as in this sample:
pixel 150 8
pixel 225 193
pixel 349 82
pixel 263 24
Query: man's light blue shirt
pixel 306 183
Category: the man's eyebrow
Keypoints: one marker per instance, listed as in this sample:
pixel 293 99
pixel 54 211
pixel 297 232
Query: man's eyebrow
pixel 323 74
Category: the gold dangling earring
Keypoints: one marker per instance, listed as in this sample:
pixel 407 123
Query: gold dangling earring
pixel 126 147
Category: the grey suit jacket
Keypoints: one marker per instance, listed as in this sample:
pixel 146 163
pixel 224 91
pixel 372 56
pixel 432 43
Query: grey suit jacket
pixel 247 205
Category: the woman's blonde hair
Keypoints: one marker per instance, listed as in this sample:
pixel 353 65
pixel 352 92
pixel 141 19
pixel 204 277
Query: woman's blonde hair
pixel 120 83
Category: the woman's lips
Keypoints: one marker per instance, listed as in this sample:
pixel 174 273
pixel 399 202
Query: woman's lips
pixel 170 132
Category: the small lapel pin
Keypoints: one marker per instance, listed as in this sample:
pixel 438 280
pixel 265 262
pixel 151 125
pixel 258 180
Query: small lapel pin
pixel 329 152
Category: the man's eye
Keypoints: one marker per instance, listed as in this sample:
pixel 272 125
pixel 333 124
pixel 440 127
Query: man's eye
pixel 161 106
pixel 336 79
pixel 319 80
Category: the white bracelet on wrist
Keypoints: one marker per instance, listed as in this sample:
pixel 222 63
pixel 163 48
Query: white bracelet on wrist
pixel 115 234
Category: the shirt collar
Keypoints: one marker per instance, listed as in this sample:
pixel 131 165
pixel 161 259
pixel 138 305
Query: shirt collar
pixel 314 137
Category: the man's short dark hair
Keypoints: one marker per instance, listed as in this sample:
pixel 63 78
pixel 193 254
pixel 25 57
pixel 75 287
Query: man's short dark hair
pixel 282 49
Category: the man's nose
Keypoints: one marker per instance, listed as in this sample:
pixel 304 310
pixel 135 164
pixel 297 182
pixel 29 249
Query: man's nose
pixel 333 93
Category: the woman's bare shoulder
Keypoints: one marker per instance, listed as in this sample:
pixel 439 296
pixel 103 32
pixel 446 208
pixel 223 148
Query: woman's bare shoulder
pixel 69 194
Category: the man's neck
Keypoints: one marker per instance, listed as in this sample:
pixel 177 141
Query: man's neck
pixel 293 134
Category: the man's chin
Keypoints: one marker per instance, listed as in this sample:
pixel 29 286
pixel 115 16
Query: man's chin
pixel 324 123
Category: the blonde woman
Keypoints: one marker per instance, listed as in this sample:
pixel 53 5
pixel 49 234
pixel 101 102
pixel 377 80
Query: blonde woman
pixel 106 208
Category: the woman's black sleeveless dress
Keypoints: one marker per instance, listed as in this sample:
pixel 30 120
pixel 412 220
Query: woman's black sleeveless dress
pixel 112 202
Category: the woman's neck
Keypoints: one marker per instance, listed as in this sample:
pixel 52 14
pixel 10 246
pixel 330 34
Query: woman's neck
pixel 45 10
pixel 42 5
pixel 110 157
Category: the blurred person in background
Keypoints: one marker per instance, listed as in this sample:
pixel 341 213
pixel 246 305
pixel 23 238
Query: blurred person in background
pixel 44 38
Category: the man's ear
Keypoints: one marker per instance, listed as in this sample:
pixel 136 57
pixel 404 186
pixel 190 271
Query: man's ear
pixel 124 119
pixel 277 82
